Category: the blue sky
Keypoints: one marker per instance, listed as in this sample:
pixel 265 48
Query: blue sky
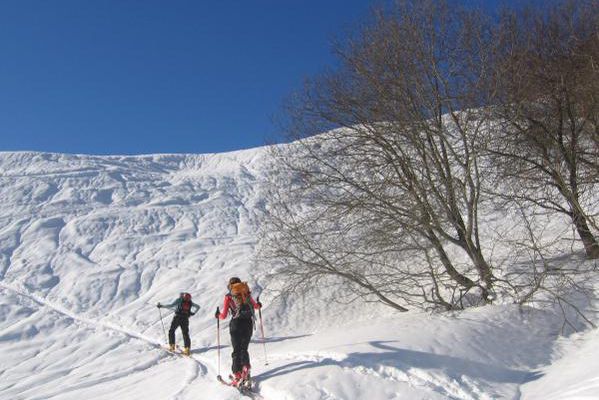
pixel 133 77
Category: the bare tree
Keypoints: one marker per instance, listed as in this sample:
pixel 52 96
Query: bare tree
pixel 542 274
pixel 547 87
pixel 388 199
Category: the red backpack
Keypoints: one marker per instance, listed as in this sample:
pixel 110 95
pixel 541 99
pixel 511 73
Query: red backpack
pixel 184 306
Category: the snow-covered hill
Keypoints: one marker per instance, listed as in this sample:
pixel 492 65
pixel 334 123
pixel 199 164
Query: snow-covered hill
pixel 88 246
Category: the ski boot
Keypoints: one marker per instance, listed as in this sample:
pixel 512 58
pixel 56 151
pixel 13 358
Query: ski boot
pixel 186 351
pixel 246 379
pixel 236 379
pixel 171 347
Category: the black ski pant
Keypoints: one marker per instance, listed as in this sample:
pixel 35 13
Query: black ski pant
pixel 241 333
pixel 183 322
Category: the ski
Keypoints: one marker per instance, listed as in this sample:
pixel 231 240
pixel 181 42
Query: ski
pixel 224 382
pixel 243 390
pixel 177 351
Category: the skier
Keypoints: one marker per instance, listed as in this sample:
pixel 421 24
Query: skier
pixel 240 303
pixel 183 307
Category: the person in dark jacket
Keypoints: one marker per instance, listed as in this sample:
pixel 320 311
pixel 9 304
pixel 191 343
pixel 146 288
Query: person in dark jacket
pixel 240 304
pixel 184 308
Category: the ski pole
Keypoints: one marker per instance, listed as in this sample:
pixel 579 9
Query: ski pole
pixel 218 338
pixel 162 322
pixel 262 330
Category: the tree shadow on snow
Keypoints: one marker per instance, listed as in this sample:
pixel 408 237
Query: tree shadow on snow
pixel 404 360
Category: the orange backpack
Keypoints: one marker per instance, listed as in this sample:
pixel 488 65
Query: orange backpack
pixel 240 293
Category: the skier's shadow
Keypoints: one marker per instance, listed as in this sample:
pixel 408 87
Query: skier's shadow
pixel 405 360
pixel 207 349
pixel 278 339
pixel 255 341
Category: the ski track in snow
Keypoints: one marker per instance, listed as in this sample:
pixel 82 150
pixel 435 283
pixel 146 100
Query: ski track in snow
pixel 95 323
pixel 191 374
pixel 113 377
pixel 195 368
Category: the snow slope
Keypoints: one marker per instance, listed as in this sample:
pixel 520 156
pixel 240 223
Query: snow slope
pixel 88 246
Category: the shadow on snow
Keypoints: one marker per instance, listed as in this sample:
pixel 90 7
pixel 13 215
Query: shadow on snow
pixel 279 338
pixel 405 360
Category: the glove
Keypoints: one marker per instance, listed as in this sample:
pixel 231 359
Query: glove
pixel 159 305
pixel 259 304
pixel 217 313
pixel 192 313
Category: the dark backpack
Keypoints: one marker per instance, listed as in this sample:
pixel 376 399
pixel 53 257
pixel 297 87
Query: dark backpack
pixel 242 305
pixel 184 306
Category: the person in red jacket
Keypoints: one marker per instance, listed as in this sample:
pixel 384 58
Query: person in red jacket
pixel 240 304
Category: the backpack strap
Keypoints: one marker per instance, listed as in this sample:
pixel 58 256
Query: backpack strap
pixel 231 303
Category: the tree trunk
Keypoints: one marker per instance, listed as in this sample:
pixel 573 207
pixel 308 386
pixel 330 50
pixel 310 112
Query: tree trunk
pixel 461 279
pixel 485 273
pixel 591 247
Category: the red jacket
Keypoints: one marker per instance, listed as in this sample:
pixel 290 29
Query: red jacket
pixel 229 304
